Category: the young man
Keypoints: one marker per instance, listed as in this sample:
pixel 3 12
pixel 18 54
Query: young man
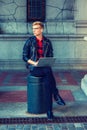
pixel 38 46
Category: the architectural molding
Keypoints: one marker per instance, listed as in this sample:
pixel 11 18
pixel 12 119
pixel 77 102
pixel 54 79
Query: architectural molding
pixel 81 24
pixel 60 64
pixel 52 36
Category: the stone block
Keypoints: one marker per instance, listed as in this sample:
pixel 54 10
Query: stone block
pixel 84 84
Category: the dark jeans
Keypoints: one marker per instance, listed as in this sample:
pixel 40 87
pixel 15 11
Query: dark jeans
pixel 49 81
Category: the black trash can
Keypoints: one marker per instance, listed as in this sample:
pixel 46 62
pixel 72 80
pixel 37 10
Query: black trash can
pixel 36 95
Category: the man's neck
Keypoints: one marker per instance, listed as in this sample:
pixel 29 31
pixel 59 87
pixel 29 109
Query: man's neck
pixel 39 37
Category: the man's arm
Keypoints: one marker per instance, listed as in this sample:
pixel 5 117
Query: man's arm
pixel 26 51
pixel 50 49
pixel 32 62
pixel 26 54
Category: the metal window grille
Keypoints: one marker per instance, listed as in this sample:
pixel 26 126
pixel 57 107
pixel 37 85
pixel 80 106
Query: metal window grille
pixel 35 10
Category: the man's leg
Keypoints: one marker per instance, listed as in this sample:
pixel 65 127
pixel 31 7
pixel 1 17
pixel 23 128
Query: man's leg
pixel 51 79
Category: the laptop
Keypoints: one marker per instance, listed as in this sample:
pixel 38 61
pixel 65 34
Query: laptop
pixel 46 61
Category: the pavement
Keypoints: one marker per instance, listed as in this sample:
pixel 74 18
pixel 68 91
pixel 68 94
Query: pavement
pixel 13 100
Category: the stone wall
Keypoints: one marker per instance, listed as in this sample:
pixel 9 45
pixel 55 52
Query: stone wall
pixel 65 25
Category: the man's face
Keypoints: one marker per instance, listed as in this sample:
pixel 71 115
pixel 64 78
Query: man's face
pixel 37 30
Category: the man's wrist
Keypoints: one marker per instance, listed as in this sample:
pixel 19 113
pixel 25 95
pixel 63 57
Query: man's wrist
pixel 32 62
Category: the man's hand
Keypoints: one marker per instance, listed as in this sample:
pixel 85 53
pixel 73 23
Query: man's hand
pixel 36 63
pixel 32 62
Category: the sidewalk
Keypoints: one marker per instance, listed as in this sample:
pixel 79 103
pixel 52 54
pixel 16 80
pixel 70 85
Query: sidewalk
pixel 13 100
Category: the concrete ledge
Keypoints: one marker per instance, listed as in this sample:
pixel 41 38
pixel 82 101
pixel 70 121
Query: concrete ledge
pixel 71 64
pixel 51 36
pixel 60 64
pixel 12 64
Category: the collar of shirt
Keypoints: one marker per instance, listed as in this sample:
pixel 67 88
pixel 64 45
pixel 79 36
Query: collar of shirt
pixel 39 40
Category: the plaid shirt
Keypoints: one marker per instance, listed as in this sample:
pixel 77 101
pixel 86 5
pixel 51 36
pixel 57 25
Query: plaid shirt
pixel 39 48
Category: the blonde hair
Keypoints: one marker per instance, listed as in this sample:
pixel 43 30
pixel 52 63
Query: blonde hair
pixel 38 23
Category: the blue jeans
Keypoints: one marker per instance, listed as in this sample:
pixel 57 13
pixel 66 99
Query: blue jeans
pixel 49 81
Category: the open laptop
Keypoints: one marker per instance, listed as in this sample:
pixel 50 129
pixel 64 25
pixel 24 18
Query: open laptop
pixel 46 61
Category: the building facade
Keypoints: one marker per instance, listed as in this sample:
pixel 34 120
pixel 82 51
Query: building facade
pixel 65 24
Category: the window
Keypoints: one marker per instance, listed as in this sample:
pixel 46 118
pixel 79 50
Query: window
pixel 35 10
